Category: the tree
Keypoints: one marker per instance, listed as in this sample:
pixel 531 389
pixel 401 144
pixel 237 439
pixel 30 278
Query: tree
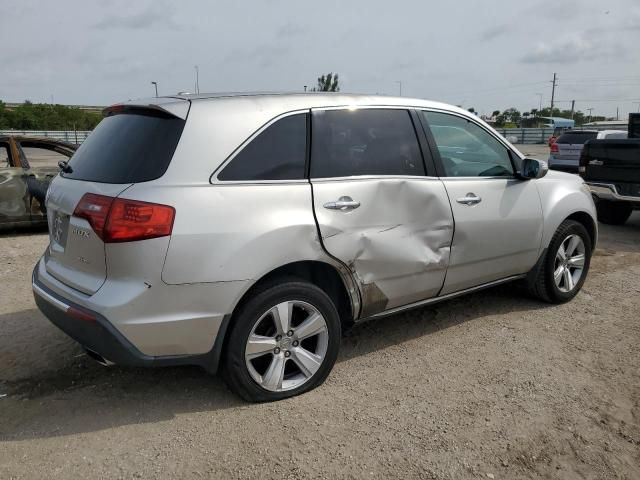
pixel 40 116
pixel 471 110
pixel 534 112
pixel 495 113
pixel 327 83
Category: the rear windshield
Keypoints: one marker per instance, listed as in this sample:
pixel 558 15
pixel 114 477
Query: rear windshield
pixel 576 137
pixel 127 148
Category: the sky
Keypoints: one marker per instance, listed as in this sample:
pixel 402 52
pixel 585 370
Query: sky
pixel 485 54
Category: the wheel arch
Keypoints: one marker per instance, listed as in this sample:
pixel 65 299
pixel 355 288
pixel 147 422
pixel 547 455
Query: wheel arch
pixel 336 283
pixel 587 221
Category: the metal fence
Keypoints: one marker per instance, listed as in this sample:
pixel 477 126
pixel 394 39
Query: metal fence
pixel 520 135
pixel 68 136
pixel 541 135
pixel 526 135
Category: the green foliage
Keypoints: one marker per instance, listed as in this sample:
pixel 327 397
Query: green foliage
pixel 327 83
pixel 30 116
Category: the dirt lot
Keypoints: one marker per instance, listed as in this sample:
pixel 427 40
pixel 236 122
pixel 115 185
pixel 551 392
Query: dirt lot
pixel 491 386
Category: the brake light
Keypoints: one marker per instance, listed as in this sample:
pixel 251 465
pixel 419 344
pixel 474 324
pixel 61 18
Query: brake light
pixel 554 148
pixel 122 220
pixel 94 209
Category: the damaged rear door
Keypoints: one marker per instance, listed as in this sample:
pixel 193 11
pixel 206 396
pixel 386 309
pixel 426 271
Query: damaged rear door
pixel 378 210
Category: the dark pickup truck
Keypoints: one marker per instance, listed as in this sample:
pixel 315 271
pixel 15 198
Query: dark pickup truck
pixel 611 168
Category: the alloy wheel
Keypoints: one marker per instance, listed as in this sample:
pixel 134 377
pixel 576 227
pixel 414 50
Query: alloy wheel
pixel 286 346
pixel 569 263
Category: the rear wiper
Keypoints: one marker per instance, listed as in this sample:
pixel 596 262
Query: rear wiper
pixel 64 166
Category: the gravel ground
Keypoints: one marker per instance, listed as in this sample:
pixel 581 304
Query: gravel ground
pixel 494 385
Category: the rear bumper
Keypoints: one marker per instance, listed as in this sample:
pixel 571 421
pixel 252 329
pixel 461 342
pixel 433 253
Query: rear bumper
pixel 96 334
pixel 608 191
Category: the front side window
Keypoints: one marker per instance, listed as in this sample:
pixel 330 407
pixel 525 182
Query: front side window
pixel 39 156
pixel 364 142
pixel 277 153
pixel 466 149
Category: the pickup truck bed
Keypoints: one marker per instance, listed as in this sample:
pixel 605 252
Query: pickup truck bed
pixel 611 168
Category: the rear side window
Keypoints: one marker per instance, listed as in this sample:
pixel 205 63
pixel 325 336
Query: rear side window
pixel 277 153
pixel 616 136
pixel 127 148
pixel 364 142
pixel 575 138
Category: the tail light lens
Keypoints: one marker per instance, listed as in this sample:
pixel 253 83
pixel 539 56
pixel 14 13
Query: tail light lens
pixel 122 220
pixel 582 163
pixel 554 148
pixel 94 209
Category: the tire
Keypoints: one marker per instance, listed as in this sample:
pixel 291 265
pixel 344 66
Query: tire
pixel 613 213
pixel 545 286
pixel 251 368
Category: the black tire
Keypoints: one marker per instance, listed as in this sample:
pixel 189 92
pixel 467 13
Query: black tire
pixel 234 368
pixel 613 213
pixel 543 285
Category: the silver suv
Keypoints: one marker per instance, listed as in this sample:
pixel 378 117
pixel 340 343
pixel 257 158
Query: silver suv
pixel 249 231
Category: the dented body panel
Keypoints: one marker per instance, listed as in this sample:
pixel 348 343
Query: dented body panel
pixel 396 243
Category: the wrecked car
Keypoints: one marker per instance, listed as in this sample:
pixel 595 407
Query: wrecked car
pixel 27 165
pixel 247 232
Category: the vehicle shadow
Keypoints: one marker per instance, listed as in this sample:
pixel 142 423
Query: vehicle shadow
pixel 621 238
pixel 52 389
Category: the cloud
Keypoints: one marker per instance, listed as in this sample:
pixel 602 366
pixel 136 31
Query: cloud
pixel 150 17
pixel 494 32
pixel 290 30
pixel 567 49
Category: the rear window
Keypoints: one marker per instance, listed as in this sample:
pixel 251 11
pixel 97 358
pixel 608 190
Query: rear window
pixel 127 148
pixel 575 138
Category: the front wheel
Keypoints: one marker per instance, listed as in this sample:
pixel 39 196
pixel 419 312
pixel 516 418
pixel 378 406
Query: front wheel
pixel 284 341
pixel 565 266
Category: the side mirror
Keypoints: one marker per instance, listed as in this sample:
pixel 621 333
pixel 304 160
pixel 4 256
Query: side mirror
pixel 533 168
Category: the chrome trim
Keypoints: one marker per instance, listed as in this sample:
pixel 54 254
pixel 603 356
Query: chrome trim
pixel 49 298
pixel 607 191
pixel 448 296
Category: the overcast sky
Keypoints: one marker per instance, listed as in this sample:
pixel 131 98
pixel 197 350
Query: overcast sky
pixel 487 54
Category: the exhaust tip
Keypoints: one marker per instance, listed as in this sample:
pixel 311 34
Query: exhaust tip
pixel 98 358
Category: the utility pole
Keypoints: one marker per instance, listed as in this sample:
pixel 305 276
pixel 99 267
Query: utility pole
pixel 553 92
pixel 589 110
pixel 573 107
pixel 540 109
pixel 197 79
pixel 155 84
pixel 617 113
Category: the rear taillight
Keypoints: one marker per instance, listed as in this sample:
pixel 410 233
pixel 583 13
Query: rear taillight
pixel 94 209
pixel 582 163
pixel 123 220
pixel 554 148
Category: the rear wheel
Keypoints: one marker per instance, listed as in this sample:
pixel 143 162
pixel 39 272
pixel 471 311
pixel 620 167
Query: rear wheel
pixel 284 342
pixel 565 266
pixel 613 213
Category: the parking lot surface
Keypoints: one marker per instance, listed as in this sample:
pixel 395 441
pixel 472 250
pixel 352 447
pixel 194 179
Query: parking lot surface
pixel 494 385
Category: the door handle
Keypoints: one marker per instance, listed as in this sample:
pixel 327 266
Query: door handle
pixel 469 199
pixel 343 204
